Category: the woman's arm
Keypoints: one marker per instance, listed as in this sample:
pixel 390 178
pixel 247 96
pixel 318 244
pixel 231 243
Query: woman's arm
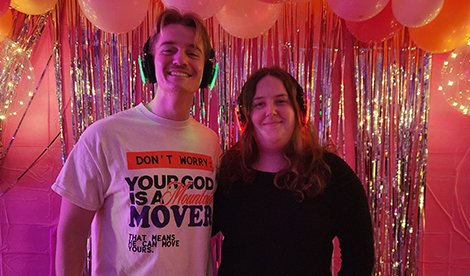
pixel 353 223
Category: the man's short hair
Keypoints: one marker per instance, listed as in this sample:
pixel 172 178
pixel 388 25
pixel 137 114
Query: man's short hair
pixel 173 16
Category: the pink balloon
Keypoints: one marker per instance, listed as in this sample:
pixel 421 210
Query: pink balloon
pixel 115 16
pixel 4 6
pixel 248 18
pixel 378 28
pixel 416 13
pixel 357 10
pixel 203 8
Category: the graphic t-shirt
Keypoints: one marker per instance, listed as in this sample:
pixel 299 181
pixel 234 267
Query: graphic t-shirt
pixel 152 182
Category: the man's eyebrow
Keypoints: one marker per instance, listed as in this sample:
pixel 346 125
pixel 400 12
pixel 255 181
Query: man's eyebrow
pixel 170 42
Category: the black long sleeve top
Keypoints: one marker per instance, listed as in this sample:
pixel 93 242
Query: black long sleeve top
pixel 268 232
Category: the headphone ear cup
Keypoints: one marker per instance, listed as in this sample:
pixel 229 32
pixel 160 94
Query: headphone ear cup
pixel 302 103
pixel 241 118
pixel 149 68
pixel 209 71
pixel 147 65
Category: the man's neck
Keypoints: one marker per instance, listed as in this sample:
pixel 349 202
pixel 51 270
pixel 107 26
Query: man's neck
pixel 171 106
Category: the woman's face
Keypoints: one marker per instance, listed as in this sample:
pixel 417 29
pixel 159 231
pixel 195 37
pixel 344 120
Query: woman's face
pixel 273 115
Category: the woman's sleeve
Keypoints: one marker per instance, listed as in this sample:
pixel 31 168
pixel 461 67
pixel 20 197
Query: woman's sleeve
pixel 216 219
pixel 353 223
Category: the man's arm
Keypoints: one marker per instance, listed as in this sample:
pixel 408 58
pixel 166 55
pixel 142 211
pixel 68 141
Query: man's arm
pixel 72 235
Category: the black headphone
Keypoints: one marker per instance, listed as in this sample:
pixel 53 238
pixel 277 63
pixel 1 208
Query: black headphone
pixel 241 117
pixel 147 67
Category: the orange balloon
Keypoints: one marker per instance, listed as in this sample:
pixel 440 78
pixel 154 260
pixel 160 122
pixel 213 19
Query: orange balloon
pixel 6 23
pixel 35 7
pixel 449 30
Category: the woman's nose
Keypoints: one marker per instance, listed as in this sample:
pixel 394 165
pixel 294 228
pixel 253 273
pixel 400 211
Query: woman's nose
pixel 271 110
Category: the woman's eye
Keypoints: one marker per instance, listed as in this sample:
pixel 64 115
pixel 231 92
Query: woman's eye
pixel 258 104
pixel 282 101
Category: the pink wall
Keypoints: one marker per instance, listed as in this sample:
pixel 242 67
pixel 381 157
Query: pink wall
pixel 446 239
pixel 28 212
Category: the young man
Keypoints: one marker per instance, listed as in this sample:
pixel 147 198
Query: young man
pixel 143 179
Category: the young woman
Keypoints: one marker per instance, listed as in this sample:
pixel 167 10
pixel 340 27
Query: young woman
pixel 282 198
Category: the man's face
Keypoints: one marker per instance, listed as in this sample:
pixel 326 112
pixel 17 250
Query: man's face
pixel 179 59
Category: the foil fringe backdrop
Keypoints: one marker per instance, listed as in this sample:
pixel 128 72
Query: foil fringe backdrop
pixel 104 69
pixel 391 80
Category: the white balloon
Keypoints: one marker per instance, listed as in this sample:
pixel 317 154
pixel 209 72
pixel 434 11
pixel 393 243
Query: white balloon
pixel 115 16
pixel 16 78
pixel 248 18
pixel 203 8
pixel 416 13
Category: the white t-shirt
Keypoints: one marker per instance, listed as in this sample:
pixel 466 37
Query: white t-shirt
pixel 152 182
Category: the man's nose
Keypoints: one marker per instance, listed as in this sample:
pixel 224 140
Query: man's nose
pixel 180 58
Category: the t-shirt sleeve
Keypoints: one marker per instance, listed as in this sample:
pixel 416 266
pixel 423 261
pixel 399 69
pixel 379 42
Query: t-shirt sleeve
pixel 81 180
pixel 353 225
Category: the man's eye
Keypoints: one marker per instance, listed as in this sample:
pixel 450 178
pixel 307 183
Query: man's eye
pixel 167 51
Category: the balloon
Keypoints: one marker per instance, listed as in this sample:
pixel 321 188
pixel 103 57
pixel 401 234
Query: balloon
pixel 16 78
pixel 6 23
pixel 416 13
pixel 357 10
pixel 378 28
pixel 203 8
pixel 34 7
pixel 274 1
pixel 449 30
pixel 4 6
pixel 455 79
pixel 248 18
pixel 115 16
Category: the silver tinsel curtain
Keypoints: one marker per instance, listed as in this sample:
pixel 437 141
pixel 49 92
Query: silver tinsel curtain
pixel 370 100
pixel 392 86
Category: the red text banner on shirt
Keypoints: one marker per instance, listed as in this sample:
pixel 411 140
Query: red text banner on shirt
pixel 168 159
